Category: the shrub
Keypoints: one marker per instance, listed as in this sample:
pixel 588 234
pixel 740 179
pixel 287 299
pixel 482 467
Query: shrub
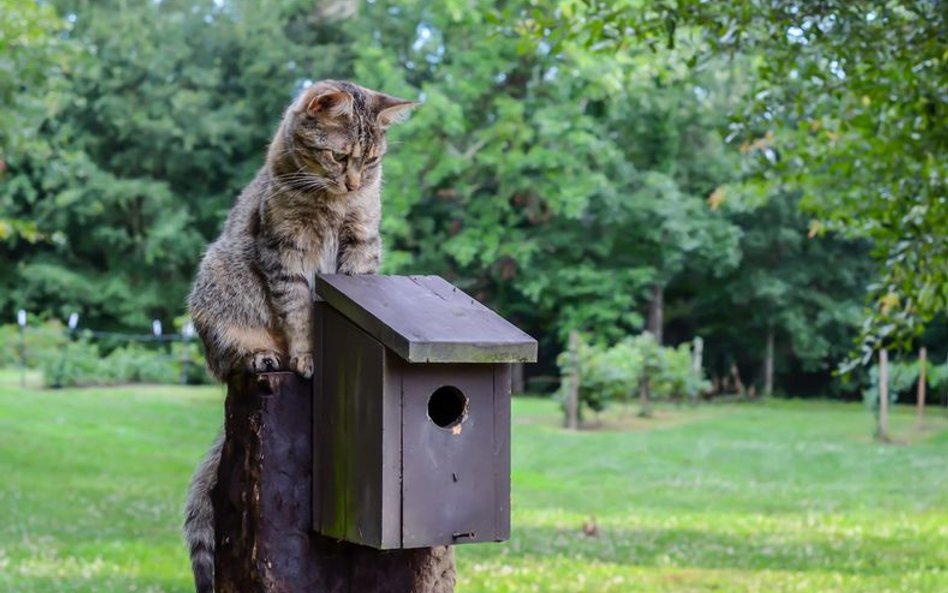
pixel 903 381
pixel 40 340
pixel 675 377
pixel 615 373
pixel 79 360
pixel 137 364
pixel 73 364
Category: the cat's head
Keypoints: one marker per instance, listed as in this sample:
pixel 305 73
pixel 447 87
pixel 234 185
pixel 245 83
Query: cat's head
pixel 333 137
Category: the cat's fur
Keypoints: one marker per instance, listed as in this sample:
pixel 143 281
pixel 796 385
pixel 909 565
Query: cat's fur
pixel 314 207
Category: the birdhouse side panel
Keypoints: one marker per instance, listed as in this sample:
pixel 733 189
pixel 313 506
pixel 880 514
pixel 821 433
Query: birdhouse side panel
pixel 348 431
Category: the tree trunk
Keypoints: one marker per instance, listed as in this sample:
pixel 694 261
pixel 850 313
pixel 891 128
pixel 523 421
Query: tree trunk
pixel 883 395
pixel 265 541
pixel 645 405
pixel 769 363
pixel 922 372
pixel 656 311
pixel 738 384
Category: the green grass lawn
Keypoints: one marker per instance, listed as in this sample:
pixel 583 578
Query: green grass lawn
pixel 782 496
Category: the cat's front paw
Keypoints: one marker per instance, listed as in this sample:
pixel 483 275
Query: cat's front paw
pixel 302 363
pixel 263 361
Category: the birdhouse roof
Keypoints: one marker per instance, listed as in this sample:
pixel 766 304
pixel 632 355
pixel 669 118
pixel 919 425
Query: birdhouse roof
pixel 426 319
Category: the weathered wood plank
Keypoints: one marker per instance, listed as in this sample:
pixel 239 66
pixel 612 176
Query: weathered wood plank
pixel 265 541
pixel 350 456
pixel 426 319
pixel 502 387
pixel 450 474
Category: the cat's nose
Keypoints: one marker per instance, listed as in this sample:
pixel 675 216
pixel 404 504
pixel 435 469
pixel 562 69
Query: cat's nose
pixel 353 183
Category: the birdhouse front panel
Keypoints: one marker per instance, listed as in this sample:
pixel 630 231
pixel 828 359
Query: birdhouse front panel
pixel 455 454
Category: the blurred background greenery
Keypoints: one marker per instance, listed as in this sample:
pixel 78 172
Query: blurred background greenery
pixel 767 176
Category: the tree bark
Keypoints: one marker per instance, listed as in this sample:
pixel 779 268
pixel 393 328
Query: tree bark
pixel 645 396
pixel 656 311
pixel 883 395
pixel 573 379
pixel 265 541
pixel 922 372
pixel 738 384
pixel 769 363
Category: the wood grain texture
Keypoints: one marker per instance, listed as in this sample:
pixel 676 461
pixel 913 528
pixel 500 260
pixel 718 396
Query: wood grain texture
pixel 450 475
pixel 426 319
pixel 358 437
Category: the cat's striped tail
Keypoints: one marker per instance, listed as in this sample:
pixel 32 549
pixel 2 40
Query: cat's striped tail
pixel 199 519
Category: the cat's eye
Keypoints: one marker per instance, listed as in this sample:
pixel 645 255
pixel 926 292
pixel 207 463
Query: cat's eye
pixel 339 157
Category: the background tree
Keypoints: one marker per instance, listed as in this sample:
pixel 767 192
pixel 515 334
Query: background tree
pixel 799 297
pixel 149 139
pixel 34 58
pixel 567 186
pixel 855 92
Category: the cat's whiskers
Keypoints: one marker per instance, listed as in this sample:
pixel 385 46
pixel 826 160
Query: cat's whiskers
pixel 299 182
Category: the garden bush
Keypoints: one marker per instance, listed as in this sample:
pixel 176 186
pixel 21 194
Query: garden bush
pixel 80 360
pixel 615 373
pixel 903 382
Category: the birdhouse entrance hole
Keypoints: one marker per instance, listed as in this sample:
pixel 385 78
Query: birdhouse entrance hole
pixel 447 406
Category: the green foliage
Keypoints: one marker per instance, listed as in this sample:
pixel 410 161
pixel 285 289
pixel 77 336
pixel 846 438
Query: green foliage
pixel 563 185
pixel 614 374
pixel 807 290
pixel 607 374
pixel 33 345
pixel 160 122
pixel 190 364
pixel 79 363
pixel 937 376
pixel 73 363
pixel 517 179
pixel 851 97
pixel 903 382
pixel 34 54
pixel 676 377
pixel 901 378
pixel 81 360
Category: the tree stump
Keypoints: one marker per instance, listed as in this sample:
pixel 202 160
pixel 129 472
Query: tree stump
pixel 263 507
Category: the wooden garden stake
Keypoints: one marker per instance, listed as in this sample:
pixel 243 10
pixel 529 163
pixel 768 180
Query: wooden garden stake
pixel 572 394
pixel 883 394
pixel 922 371
pixel 697 352
pixel 21 324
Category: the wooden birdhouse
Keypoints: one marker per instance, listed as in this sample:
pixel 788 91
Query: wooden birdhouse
pixel 411 412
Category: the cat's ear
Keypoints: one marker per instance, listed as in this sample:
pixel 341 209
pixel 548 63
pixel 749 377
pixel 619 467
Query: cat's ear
pixel 332 104
pixel 392 110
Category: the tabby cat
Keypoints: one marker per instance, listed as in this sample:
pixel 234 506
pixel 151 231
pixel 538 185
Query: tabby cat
pixel 314 207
